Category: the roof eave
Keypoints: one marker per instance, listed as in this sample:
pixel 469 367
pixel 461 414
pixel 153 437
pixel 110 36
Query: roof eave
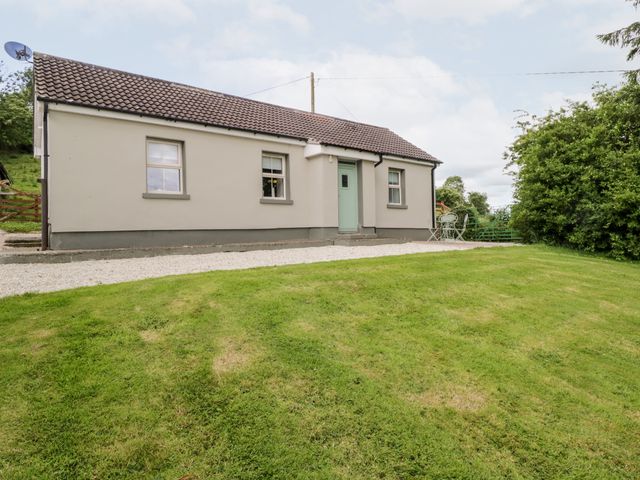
pixel 168 119
pixel 42 98
pixel 377 152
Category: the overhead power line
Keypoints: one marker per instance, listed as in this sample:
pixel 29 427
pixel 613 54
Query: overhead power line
pixel 576 72
pixel 418 77
pixel 276 86
pixel 506 74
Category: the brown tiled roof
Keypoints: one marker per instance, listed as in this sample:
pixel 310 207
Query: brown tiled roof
pixel 76 83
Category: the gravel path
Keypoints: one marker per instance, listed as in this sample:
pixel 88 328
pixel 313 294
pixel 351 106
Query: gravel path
pixel 17 279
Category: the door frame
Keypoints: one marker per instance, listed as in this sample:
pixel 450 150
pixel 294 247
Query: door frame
pixel 356 168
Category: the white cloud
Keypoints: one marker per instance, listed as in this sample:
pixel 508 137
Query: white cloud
pixel 470 11
pixel 251 32
pixel 238 38
pixel 100 11
pixel 171 10
pixel 274 11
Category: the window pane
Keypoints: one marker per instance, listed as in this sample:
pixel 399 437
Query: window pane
pixel 266 187
pixel 394 178
pixel 345 181
pixel 278 187
pixel 272 165
pixel 171 180
pixel 163 180
pixel 394 195
pixel 154 179
pixel 273 187
pixel 163 153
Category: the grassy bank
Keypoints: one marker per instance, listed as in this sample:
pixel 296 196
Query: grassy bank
pixel 24 171
pixel 496 363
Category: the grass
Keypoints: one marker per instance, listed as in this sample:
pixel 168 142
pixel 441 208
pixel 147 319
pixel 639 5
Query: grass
pixel 495 363
pixel 19 227
pixel 24 170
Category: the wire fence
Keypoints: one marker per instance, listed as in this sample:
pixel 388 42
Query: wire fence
pixel 491 232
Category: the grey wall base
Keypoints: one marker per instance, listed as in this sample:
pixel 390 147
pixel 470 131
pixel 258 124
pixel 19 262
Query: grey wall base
pixel 178 238
pixel 405 233
pixel 322 233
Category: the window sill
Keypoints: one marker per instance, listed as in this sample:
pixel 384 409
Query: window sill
pixel 400 207
pixel 167 196
pixel 276 201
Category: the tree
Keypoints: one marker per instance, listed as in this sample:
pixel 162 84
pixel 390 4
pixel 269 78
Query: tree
pixel 455 183
pixel 16 110
pixel 577 178
pixel 479 200
pixel 451 193
pixel 449 196
pixel 628 37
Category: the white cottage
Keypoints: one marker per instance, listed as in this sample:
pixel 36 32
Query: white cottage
pixel 133 161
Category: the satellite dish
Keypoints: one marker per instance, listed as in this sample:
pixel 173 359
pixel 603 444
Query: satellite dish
pixel 18 51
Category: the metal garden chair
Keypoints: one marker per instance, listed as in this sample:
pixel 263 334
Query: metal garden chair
pixel 460 231
pixel 448 226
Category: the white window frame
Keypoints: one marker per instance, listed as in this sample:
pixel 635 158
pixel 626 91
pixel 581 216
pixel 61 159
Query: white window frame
pixel 282 175
pixel 179 166
pixel 398 187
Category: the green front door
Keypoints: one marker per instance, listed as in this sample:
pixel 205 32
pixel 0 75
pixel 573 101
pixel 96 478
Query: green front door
pixel 347 197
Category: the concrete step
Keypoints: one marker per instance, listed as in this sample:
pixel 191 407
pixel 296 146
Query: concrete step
pixel 22 240
pixel 367 241
pixel 22 244
pixel 356 236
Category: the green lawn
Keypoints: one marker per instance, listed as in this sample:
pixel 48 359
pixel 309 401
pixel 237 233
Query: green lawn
pixel 494 363
pixel 19 227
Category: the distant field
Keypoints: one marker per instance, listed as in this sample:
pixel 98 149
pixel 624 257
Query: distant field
pixel 493 363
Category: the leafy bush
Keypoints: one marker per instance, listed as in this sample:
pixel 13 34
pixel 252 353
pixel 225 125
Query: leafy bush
pixel 501 215
pixel 577 174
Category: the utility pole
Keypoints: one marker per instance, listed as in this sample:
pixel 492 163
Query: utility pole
pixel 313 92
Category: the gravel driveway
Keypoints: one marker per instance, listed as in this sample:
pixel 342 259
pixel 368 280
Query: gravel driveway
pixel 22 278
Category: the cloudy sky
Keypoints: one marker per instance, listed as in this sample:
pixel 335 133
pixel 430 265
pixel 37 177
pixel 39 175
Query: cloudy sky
pixel 447 75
